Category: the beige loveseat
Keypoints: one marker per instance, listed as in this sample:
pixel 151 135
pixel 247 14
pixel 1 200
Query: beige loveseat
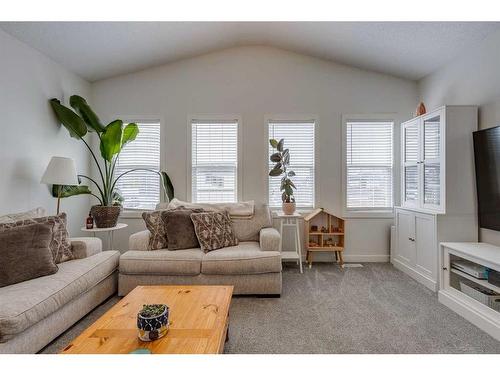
pixel 252 267
pixel 35 312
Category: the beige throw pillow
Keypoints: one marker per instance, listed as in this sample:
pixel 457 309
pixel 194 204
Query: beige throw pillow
pixel 214 230
pixel 25 253
pixel 59 244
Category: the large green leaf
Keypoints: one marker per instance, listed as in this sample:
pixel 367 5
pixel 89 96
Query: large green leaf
pixel 70 120
pixel 70 190
pixel 80 105
pixel 111 140
pixel 167 185
pixel 130 133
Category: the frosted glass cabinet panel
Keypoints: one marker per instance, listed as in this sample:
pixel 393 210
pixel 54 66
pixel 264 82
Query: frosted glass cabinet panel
pixel 422 166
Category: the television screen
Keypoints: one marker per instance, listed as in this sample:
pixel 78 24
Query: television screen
pixel 487 160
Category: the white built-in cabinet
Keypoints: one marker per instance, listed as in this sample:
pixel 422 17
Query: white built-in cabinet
pixel 438 200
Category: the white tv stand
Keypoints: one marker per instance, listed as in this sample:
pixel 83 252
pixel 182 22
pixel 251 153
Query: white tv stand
pixel 450 293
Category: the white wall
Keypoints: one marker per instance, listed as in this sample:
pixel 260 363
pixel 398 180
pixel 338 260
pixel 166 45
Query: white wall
pixel 471 78
pixel 30 135
pixel 253 82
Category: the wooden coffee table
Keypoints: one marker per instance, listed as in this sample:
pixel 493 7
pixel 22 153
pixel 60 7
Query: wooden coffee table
pixel 199 322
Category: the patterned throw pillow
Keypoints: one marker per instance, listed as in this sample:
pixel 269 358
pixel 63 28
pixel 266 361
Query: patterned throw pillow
pixel 214 230
pixel 158 233
pixel 60 246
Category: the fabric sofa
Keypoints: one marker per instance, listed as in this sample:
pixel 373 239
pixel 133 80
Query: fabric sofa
pixel 252 267
pixel 35 312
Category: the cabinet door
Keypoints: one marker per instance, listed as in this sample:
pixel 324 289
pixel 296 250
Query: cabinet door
pixel 411 151
pixel 431 163
pixel 426 245
pixel 405 226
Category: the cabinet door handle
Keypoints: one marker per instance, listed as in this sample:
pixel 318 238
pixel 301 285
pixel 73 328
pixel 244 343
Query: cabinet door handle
pixel 411 239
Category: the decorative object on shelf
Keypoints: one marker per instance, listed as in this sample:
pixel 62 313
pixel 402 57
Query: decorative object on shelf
pixel 60 171
pixel 89 222
pixel 113 138
pixel 282 160
pixel 323 240
pixel 420 109
pixel 152 322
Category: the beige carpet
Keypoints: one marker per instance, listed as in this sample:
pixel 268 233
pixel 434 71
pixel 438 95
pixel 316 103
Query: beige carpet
pixel 374 309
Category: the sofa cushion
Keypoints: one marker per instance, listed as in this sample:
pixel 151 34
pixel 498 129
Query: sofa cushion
pixel 214 230
pixel 161 262
pixel 154 223
pixel 25 253
pixel 244 259
pixel 33 300
pixel 59 244
pixel 180 229
pixel 248 229
pixel 10 218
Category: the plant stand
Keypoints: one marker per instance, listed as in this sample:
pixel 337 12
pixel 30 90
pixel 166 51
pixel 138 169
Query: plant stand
pixel 108 230
pixel 291 221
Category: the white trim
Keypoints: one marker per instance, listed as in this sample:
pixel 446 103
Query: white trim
pixel 295 118
pixel 366 213
pixel 208 118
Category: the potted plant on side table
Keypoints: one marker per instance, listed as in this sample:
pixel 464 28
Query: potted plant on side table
pixel 282 159
pixel 112 139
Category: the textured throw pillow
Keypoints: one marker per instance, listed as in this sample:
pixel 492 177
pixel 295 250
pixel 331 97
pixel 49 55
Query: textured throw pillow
pixel 10 218
pixel 25 253
pixel 59 244
pixel 214 230
pixel 158 235
pixel 180 229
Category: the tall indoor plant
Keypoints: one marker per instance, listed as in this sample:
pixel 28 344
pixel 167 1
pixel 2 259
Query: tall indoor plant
pixel 282 159
pixel 112 139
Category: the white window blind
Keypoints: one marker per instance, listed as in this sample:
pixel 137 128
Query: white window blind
pixel 299 139
pixel 140 189
pixel 214 161
pixel 369 165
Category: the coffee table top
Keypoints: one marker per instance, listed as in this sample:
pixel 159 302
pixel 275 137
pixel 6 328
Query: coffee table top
pixel 198 322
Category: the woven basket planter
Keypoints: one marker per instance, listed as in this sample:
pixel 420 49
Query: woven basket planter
pixel 105 216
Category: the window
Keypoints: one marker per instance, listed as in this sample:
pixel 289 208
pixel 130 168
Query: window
pixel 369 169
pixel 299 138
pixel 214 161
pixel 140 189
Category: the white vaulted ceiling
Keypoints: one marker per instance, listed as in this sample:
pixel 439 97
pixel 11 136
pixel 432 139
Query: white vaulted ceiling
pixel 98 50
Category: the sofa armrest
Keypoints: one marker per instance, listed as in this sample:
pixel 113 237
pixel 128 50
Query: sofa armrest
pixel 269 239
pixel 84 247
pixel 139 240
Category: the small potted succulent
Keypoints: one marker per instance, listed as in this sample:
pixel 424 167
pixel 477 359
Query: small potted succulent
pixel 152 322
pixel 282 159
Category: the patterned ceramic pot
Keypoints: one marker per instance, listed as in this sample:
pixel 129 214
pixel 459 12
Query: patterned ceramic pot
pixel 105 216
pixel 153 328
pixel 288 208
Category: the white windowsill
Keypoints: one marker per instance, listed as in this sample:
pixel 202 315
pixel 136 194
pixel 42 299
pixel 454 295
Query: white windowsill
pixel 132 214
pixel 382 214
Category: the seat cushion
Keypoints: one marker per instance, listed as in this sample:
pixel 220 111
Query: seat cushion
pixel 161 262
pixel 244 259
pixel 26 303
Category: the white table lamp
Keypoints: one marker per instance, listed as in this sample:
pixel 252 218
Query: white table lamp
pixel 60 171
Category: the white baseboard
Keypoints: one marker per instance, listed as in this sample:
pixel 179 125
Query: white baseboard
pixel 423 279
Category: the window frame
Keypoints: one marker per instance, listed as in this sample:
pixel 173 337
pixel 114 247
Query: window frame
pixel 295 118
pixel 367 212
pixel 130 213
pixel 189 149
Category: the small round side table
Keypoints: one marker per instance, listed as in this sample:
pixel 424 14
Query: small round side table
pixel 110 232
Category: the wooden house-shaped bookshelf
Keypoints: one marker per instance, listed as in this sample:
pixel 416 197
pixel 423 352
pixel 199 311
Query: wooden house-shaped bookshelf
pixel 324 233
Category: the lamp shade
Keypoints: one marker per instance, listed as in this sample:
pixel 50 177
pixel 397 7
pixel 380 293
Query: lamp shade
pixel 60 171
